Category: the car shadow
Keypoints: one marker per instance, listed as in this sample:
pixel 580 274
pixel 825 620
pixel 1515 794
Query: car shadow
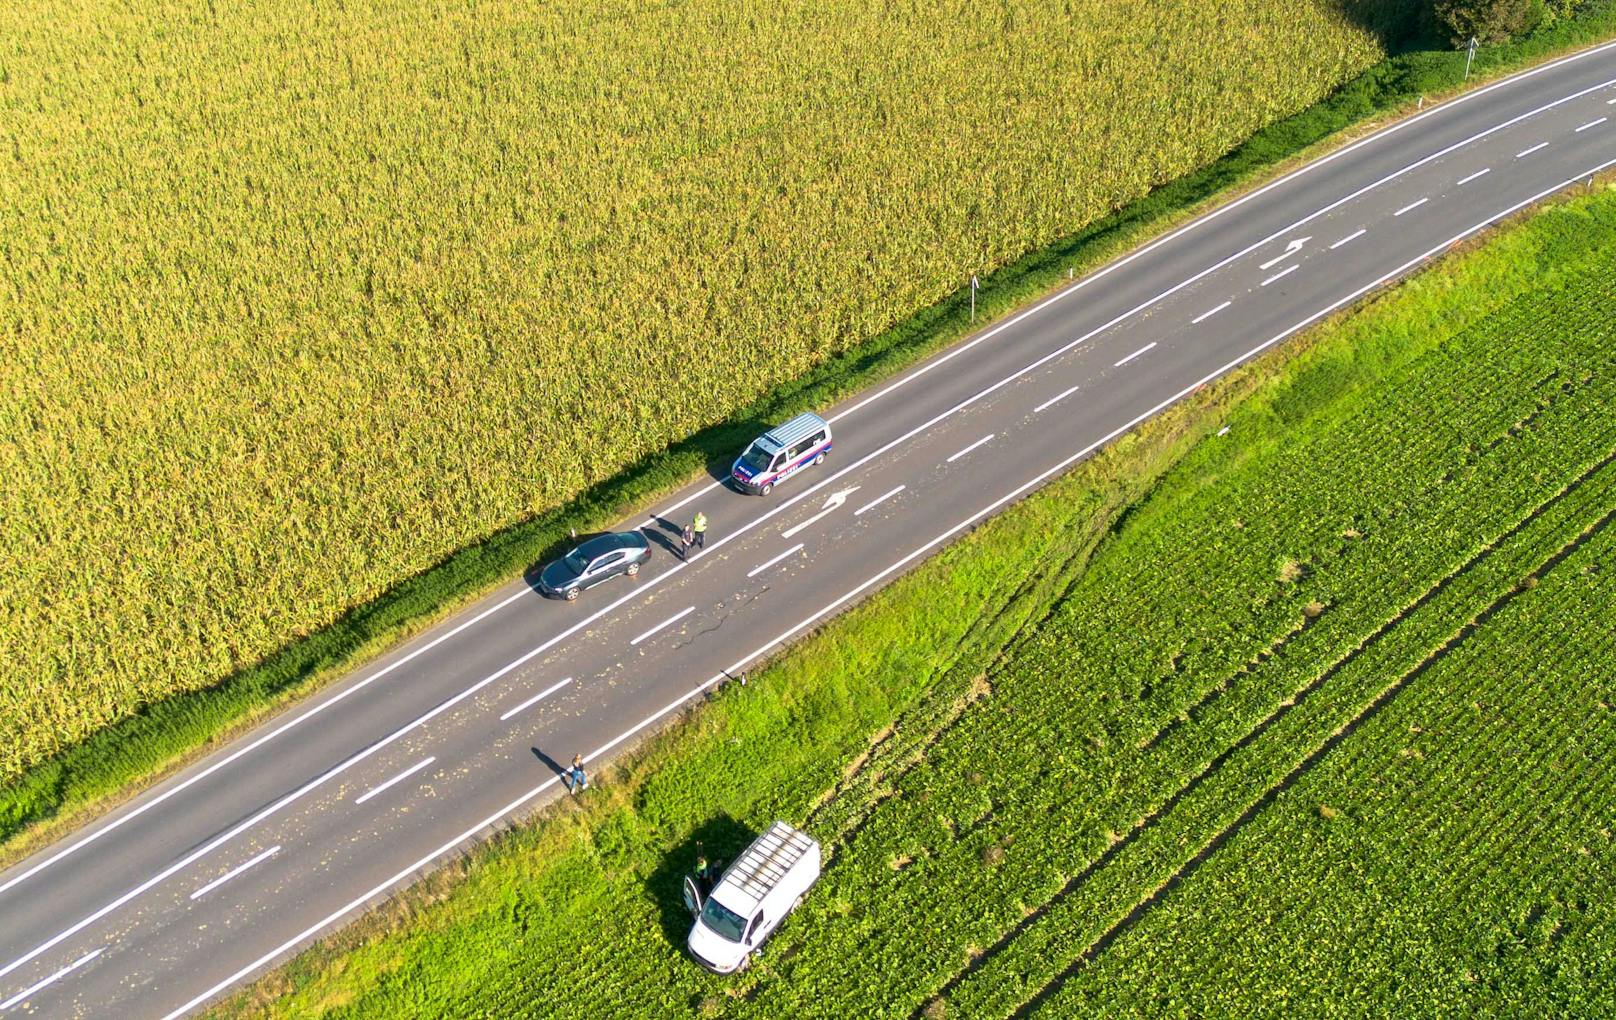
pixel 722 839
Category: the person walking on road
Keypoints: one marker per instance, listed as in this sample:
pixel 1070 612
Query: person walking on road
pixel 577 778
pixel 686 537
pixel 698 527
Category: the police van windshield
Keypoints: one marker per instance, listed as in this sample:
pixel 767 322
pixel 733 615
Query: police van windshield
pixel 724 922
pixel 756 458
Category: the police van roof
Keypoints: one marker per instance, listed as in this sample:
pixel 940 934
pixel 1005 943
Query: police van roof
pixel 794 431
pixel 770 857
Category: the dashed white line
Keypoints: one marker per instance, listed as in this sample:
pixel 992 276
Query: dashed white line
pixel 670 621
pixel 1057 398
pixel 985 439
pixel 885 496
pixel 755 571
pixel 1135 354
pixel 1207 315
pixel 1610 102
pixel 1361 231
pixel 1528 152
pixel 407 773
pixel 1288 270
pixel 233 872
pixel 1483 172
pixel 529 703
pixel 1590 124
pixel 23 995
pixel 1411 206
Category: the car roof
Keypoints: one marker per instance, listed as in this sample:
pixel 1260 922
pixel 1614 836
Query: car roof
pixel 798 428
pixel 602 544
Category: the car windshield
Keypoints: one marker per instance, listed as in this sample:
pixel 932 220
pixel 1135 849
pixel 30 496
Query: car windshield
pixel 575 561
pixel 756 458
pixel 723 921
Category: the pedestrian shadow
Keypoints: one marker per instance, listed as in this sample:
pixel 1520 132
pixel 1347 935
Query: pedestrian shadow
pixel 555 766
pixel 665 536
pixel 722 839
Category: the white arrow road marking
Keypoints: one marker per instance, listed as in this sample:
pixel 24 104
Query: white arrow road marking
pixel 1290 249
pixel 31 989
pixel 238 869
pixel 832 501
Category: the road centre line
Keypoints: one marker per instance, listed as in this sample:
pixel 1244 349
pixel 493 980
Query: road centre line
pixel 1016 493
pixel 889 494
pixel 1528 152
pixel 407 773
pixel 1411 207
pixel 529 703
pixel 1484 171
pixel 1104 271
pixel 675 618
pixel 980 442
pixel 1209 313
pixel 1361 231
pixel 1591 123
pixel 755 571
pixel 1288 270
pixel 238 869
pixel 23 995
pixel 1135 354
pixel 644 586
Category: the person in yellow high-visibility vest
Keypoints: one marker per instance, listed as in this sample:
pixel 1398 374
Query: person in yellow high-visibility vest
pixel 698 530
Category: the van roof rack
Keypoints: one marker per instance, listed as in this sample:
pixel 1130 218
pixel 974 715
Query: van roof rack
pixel 762 866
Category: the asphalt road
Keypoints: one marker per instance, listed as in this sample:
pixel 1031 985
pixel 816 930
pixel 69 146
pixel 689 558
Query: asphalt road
pixel 215 875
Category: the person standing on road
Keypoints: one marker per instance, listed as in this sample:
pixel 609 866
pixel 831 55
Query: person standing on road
pixel 699 527
pixel 577 778
pixel 686 537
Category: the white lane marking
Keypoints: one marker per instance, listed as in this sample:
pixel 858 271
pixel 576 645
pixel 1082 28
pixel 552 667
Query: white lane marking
pixel 1038 480
pixel 1483 172
pixel 877 501
pixel 407 773
pixel 1290 249
pixel 23 995
pixel 529 703
pixel 670 621
pixel 1361 231
pixel 233 872
pixel 1610 102
pixel 1591 123
pixel 1528 152
pixel 1052 401
pixel 832 503
pixel 980 442
pixel 1209 313
pixel 1288 270
pixel 1135 354
pixel 755 571
pixel 1411 207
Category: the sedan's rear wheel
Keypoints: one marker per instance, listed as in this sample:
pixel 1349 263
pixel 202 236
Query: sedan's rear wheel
pixel 572 594
pixel 633 568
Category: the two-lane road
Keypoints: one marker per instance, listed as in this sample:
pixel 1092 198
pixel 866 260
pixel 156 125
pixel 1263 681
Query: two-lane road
pixel 230 865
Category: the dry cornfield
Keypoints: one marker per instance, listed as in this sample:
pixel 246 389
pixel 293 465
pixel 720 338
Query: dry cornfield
pixel 298 297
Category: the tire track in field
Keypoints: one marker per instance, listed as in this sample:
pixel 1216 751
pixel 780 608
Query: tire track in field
pixel 1149 821
pixel 1372 708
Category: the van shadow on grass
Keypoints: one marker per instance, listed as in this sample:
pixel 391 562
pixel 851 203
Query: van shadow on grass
pixel 722 838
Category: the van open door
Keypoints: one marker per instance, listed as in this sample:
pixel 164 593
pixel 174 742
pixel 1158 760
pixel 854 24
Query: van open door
pixel 692 896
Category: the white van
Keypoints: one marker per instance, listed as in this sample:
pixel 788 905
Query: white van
pixel 751 898
pixel 780 453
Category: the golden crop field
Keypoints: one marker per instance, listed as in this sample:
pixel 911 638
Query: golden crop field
pixel 298 296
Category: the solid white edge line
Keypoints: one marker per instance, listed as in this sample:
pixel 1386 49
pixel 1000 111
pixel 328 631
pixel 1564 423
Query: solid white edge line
pixel 1383 133
pixel 985 439
pixel 1528 152
pixel 1136 354
pixel 1051 402
pixel 407 773
pixel 23 995
pixel 233 872
pixel 529 703
pixel 1361 231
pixel 872 504
pixel 1411 206
pixel 670 621
pixel 1483 172
pixel 1590 124
pixel 755 571
pixel 1209 313
pixel 1288 270
pixel 493 819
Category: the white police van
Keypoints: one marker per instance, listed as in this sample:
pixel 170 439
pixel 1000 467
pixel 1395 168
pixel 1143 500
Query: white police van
pixel 751 898
pixel 780 453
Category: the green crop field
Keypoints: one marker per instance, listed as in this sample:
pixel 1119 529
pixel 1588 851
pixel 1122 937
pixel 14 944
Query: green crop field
pixel 298 298
pixel 1312 718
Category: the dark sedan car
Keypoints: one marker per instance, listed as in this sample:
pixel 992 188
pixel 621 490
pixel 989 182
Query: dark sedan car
pixel 596 560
